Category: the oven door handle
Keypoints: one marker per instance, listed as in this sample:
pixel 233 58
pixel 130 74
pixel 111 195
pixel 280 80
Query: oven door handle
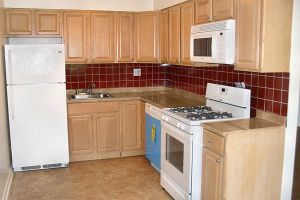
pixel 177 133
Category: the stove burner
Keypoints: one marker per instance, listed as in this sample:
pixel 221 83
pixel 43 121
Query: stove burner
pixel 209 115
pixel 190 109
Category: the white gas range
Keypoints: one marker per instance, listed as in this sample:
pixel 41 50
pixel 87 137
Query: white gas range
pixel 182 137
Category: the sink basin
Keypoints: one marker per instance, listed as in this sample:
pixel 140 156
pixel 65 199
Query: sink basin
pixel 92 96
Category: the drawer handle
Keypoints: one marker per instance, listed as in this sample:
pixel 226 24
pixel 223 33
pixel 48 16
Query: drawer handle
pixel 210 141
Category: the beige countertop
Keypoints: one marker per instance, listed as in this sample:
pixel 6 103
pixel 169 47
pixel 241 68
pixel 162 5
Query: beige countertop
pixel 263 120
pixel 160 97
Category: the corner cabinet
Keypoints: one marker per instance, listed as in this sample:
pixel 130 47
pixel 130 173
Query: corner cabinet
pixel 181 19
pixel 76 37
pixel 133 128
pixel 164 36
pixel 146 36
pixel 213 10
pixel 243 164
pixel 33 23
pixel 263 35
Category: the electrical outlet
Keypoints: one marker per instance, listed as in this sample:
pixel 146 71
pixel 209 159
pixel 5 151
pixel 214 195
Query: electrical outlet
pixel 137 72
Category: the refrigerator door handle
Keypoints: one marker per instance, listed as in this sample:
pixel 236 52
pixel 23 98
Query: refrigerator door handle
pixel 9 66
pixel 12 106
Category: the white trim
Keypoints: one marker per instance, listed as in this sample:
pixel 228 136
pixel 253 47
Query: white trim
pixel 293 107
pixel 7 185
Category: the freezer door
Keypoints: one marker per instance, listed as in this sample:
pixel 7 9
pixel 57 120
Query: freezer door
pixel 39 63
pixel 38 124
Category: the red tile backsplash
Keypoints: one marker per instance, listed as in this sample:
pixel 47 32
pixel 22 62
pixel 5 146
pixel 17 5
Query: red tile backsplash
pixel 114 75
pixel 269 91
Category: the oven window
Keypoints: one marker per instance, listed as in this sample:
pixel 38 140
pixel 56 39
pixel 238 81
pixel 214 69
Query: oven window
pixel 174 152
pixel 202 47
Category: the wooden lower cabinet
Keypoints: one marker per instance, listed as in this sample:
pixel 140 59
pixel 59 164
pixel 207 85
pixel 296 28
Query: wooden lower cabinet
pixel 249 167
pixel 106 130
pixel 132 128
pixel 81 134
pixel 212 175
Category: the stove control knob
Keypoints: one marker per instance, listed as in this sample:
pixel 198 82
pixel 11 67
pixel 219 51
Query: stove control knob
pixel 163 117
pixel 182 127
pixel 179 125
pixel 166 118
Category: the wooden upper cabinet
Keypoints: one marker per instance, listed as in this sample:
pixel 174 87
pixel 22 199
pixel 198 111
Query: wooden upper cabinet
pixel 222 9
pixel 81 134
pixel 76 37
pixel 203 10
pixel 48 22
pixel 132 127
pixel 103 37
pixel 213 10
pixel 18 22
pixel 164 35
pixel 261 43
pixel 108 132
pixel 147 37
pixel 187 20
pixel 125 37
pixel 212 166
pixel 174 34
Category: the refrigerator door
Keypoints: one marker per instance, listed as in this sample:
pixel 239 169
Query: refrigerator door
pixel 38 63
pixel 38 125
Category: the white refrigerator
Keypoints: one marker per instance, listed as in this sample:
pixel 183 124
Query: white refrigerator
pixel 36 96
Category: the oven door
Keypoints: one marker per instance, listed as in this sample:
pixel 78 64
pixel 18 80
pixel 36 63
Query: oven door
pixel 176 155
pixel 203 47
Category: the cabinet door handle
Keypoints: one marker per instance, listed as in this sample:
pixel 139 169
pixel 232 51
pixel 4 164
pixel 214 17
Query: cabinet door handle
pixel 218 160
pixel 91 117
pixel 37 32
pixel 210 141
pixel 85 60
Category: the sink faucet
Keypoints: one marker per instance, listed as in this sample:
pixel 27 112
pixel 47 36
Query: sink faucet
pixel 89 89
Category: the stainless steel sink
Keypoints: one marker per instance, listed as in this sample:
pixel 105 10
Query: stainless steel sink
pixel 92 96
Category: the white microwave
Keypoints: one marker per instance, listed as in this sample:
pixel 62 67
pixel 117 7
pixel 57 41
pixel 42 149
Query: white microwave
pixel 213 42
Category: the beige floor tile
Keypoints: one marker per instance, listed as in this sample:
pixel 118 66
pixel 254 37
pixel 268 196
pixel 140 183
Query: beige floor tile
pixel 113 179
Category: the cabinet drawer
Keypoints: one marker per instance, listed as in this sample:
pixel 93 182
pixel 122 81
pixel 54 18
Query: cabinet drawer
pixel 213 142
pixel 98 107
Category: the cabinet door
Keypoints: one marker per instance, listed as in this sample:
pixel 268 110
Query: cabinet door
pixel 125 37
pixel 222 9
pixel 164 33
pixel 248 23
pixel 48 22
pixel 212 166
pixel 75 36
pixel 81 134
pixel 18 22
pixel 146 36
pixel 174 34
pixel 187 20
pixel 103 37
pixel 108 132
pixel 132 129
pixel 203 11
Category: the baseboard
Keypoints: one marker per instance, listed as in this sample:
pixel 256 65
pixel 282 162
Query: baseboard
pixel 7 185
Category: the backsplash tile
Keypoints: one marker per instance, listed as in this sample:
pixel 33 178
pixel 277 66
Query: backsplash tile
pixel 114 75
pixel 269 91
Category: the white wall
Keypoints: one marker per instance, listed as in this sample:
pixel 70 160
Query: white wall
pixel 293 107
pixel 114 5
pixel 161 4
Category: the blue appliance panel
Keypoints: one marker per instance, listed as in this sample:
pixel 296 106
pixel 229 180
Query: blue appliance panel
pixel 153 146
